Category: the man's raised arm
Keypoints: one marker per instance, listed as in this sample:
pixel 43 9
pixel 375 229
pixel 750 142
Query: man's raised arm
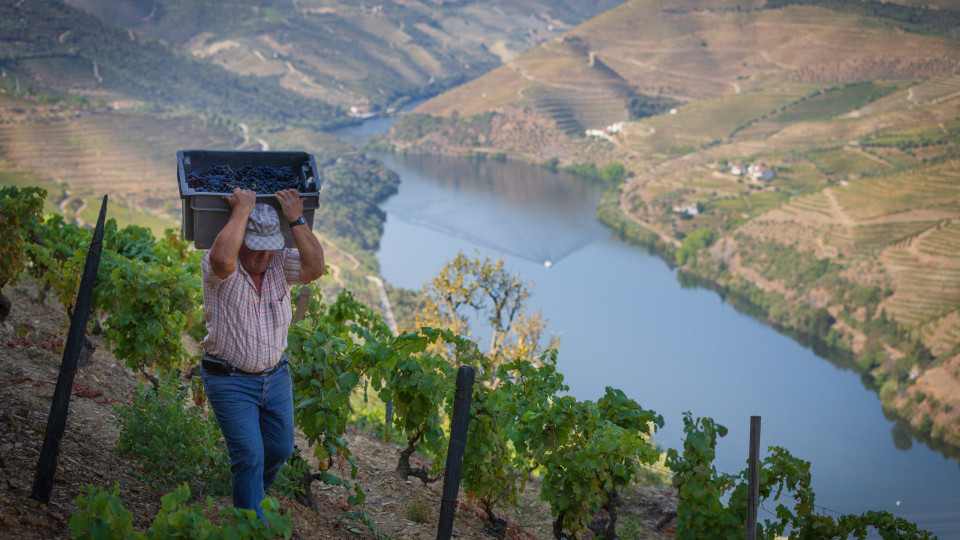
pixel 311 252
pixel 226 247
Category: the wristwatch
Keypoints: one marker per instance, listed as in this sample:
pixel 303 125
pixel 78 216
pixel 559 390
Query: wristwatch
pixel 299 221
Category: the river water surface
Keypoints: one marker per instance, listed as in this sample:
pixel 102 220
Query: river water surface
pixel 626 322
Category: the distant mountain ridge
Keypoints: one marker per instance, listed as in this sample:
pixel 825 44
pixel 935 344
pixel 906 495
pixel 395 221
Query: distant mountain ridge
pixel 98 94
pixel 691 50
pixel 69 50
pixel 348 53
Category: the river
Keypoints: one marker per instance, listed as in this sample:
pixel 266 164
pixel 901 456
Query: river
pixel 626 322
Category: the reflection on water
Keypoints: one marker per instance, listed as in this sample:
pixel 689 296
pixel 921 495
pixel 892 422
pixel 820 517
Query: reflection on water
pixel 512 208
pixel 902 433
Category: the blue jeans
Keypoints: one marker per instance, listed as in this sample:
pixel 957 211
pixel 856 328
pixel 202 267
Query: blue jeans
pixel 255 414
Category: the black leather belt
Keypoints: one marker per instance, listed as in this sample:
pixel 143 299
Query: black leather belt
pixel 216 366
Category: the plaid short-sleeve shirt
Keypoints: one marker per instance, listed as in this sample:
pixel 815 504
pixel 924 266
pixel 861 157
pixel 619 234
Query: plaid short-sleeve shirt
pixel 246 329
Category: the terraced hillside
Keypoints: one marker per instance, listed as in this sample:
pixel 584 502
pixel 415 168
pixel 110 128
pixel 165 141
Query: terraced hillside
pixel 697 51
pixel 80 151
pixel 55 49
pixel 129 156
pixel 902 221
pixel 924 93
pixel 590 95
pixel 851 243
pixel 349 53
pixel 109 152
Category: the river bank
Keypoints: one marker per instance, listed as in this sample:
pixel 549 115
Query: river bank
pixel 841 342
pixel 625 320
pixel 813 292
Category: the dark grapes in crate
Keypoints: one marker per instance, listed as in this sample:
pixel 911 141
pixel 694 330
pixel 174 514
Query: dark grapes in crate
pixel 263 179
pixel 205 176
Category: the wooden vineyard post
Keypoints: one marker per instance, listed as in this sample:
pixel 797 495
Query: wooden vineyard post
pixel 57 421
pixel 458 444
pixel 387 420
pixel 303 302
pixel 753 485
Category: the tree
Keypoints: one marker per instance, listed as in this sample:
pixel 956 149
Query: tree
pixel 551 164
pixel 699 239
pixel 613 173
pixel 482 288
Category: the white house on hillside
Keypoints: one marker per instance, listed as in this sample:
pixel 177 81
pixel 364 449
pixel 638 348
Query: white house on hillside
pixel 605 132
pixel 362 111
pixel 759 172
pixel 688 209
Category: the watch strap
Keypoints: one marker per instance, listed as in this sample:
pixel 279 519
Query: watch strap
pixel 299 221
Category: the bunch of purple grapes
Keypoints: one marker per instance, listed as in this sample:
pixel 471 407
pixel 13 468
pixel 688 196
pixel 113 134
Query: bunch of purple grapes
pixel 263 179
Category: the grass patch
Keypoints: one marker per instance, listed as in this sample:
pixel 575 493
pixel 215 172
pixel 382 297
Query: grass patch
pixel 895 155
pixel 126 216
pixel 843 161
pixel 680 150
pixel 707 186
pixel 22 180
pixel 728 205
pixel 904 139
pixel 830 103
pixel 716 118
pixel 767 199
pixel 952 127
pixel 417 510
pixel 801 176
pixel 272 15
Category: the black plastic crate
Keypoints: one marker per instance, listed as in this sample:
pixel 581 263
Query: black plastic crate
pixel 205 214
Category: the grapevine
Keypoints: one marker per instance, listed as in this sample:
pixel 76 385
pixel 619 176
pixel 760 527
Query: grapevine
pixel 143 287
pixel 101 515
pixel 333 348
pixel 701 490
pixel 176 443
pixel 589 452
pixel 19 212
pixel 493 472
pixel 149 313
pixel 500 460
pixel 420 383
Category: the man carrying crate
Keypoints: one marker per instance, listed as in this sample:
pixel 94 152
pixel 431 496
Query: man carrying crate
pixel 247 274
